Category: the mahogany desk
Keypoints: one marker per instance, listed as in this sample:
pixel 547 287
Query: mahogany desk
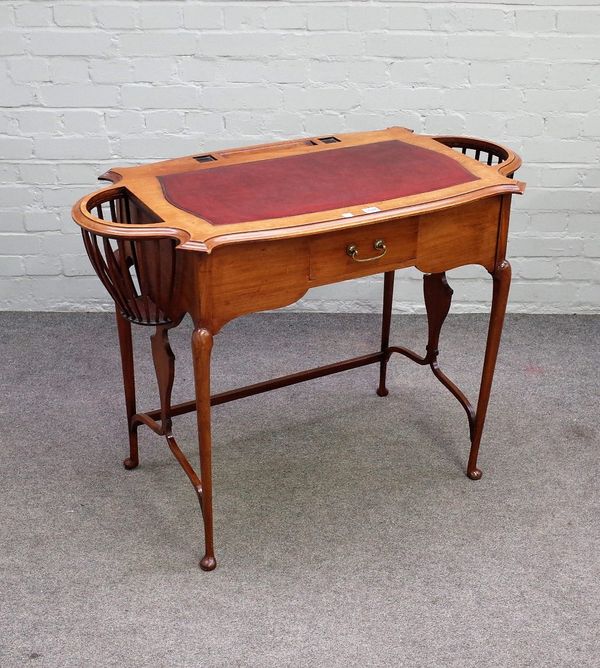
pixel 226 233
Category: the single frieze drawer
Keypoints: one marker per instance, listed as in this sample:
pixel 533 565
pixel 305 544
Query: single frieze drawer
pixel 356 252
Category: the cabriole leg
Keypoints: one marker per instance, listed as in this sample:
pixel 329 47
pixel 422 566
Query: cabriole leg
pixel 388 294
pixel 202 342
pixel 501 278
pixel 126 346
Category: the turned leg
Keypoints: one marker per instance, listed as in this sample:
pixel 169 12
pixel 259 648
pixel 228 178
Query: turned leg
pixel 438 297
pixel 126 346
pixel 501 278
pixel 388 293
pixel 202 342
pixel 164 365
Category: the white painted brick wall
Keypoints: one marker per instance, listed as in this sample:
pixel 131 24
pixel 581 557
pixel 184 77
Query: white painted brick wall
pixel 89 85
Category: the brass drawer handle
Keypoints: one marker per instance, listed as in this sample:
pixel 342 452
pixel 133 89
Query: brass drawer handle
pixel 352 251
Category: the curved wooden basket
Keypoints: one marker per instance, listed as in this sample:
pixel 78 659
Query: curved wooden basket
pixel 503 159
pixel 138 270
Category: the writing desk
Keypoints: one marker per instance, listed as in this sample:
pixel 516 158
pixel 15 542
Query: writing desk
pixel 227 233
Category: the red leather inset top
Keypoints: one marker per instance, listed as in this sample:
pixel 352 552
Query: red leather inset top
pixel 311 182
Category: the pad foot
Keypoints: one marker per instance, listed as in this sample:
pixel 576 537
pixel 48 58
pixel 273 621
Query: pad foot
pixel 208 563
pixel 130 463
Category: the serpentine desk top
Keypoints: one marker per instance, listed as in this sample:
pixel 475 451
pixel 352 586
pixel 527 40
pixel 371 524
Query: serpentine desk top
pixel 298 187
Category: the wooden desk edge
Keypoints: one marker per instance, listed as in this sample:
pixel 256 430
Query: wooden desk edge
pixel 168 226
pixel 84 219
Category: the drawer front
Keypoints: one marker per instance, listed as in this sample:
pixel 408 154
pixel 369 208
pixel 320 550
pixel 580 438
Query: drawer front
pixel 356 252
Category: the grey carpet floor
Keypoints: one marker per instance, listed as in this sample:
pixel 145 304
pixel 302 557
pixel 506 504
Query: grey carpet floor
pixel 346 531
